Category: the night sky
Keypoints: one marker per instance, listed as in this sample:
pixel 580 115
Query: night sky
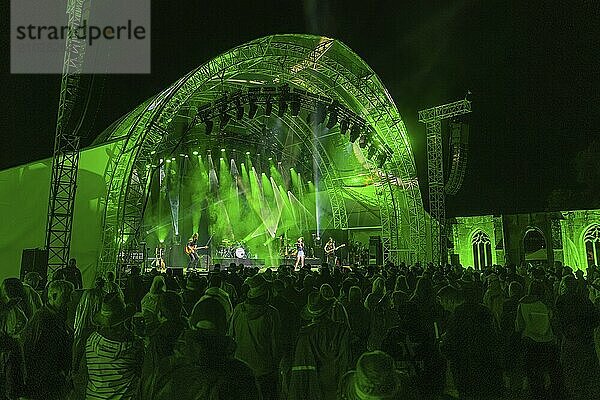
pixel 532 68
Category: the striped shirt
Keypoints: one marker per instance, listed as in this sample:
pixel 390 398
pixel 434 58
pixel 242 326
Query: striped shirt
pixel 113 368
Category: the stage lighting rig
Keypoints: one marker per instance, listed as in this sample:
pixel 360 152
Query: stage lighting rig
pixel 321 113
pixel 239 109
pixel 284 94
pixel 354 132
pixel 333 115
pixel 295 104
pixel 381 159
pixel 268 106
pixel 344 126
pixel 252 99
pixel 362 141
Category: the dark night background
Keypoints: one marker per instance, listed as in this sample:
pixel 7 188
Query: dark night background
pixel 532 68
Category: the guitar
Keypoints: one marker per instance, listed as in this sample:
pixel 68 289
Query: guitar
pixel 331 251
pixel 189 249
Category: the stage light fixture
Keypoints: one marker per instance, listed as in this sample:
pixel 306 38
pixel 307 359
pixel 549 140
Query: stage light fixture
pixel 252 109
pixel 344 127
pixel 381 159
pixel 239 110
pixel 295 105
pixel 333 118
pixel 173 159
pixel 321 113
pixel 354 133
pixel 223 150
pixel 283 105
pixel 362 141
pixel 371 152
pixel 268 106
pixel 224 117
pixel 168 161
pixel 209 126
pixel 247 153
pixel 195 153
pixel 153 152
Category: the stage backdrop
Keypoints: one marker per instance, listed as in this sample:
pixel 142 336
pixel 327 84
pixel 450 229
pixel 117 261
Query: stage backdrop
pixel 24 205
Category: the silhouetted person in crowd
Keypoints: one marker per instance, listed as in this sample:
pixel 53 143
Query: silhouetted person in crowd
pixel 13 307
pixel 149 302
pixel 47 346
pixel 512 343
pixel 290 324
pixel 170 280
pixel 539 343
pixel 135 288
pixel 256 327
pixel 360 322
pixel 194 289
pixel 203 366
pixel 89 305
pixel 577 319
pixel 375 378
pixel 322 353
pixel 113 357
pixel 472 347
pixel 70 273
pixel 12 370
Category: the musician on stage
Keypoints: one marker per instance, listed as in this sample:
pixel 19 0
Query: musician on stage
pixel 191 249
pixel 330 257
pixel 299 253
pixel 330 253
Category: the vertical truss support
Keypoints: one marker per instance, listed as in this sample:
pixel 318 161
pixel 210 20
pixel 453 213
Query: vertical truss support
pixel 432 118
pixel 437 198
pixel 65 162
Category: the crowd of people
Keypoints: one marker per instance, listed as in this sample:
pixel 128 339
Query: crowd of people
pixel 366 333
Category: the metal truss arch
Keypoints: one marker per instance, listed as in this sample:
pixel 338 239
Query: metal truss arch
pixel 313 63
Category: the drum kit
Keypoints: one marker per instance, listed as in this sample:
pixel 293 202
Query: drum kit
pixel 232 249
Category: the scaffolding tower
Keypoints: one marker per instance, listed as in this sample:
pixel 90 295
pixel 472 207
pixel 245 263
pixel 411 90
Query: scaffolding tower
pixel 432 118
pixel 65 161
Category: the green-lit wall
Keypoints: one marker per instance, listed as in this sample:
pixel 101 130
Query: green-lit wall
pixel 24 204
pixel 563 233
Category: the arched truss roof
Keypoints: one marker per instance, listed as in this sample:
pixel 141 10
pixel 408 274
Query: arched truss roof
pixel 315 64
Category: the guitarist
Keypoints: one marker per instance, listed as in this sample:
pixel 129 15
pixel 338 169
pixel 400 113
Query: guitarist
pixel 191 249
pixel 330 249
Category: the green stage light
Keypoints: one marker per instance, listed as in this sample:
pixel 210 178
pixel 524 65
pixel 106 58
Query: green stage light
pixel 247 153
pixel 153 152
pixel 223 150
pixel 161 161
pixel 195 153
pixel 168 161
pixel 270 158
pixel 173 158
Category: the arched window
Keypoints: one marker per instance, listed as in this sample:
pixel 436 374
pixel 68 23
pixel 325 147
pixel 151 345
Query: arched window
pixel 591 240
pixel 534 245
pixel 482 250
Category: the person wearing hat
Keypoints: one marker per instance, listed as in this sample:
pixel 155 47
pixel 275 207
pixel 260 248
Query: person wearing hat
pixel 255 325
pixel 204 366
pixel 375 378
pixel 322 353
pixel 113 356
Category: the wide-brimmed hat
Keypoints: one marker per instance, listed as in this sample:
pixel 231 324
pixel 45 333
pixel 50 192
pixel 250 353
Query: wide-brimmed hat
pixel 375 378
pixel 316 306
pixel 113 311
pixel 209 315
pixel 257 286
